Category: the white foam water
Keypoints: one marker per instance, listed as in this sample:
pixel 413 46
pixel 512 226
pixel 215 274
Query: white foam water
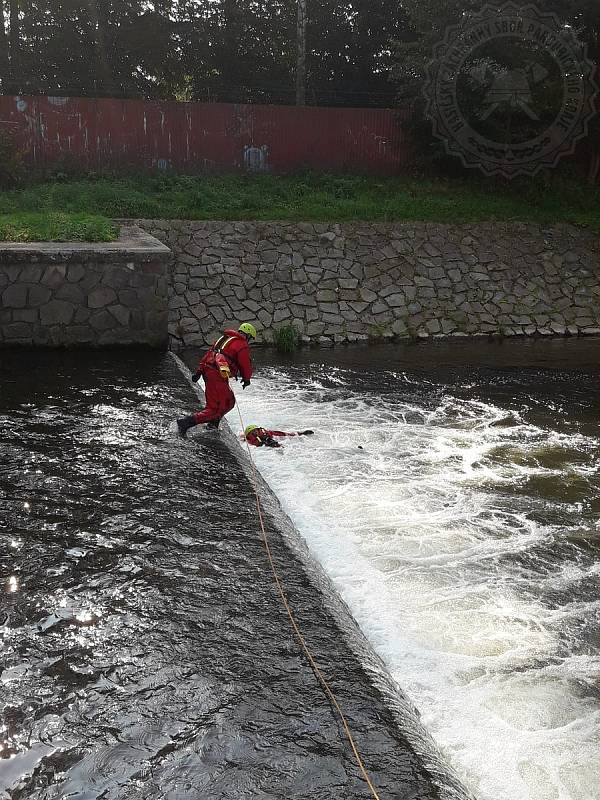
pixel 422 538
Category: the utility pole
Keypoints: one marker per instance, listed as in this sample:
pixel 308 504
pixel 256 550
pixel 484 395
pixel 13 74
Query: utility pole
pixel 14 43
pixel 3 52
pixel 301 54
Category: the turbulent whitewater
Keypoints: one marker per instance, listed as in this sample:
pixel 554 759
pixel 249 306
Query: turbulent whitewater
pixel 456 513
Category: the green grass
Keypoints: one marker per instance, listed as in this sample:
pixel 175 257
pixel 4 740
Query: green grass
pixel 312 197
pixel 56 226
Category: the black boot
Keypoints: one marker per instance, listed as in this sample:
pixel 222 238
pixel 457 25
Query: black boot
pixel 184 424
pixel 213 425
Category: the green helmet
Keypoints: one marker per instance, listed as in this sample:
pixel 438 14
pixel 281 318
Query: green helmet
pixel 249 429
pixel 248 328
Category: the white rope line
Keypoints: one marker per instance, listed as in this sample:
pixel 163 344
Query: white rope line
pixel 320 677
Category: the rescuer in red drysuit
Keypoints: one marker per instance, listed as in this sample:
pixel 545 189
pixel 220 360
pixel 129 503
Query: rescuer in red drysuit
pixel 228 357
pixel 262 437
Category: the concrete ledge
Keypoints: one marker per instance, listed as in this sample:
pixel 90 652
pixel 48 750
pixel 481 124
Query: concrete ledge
pixel 73 293
pixel 133 241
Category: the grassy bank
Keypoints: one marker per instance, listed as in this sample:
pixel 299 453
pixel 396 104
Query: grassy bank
pixel 311 197
pixel 56 226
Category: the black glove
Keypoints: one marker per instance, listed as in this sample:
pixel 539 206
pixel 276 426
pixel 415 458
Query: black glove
pixel 270 442
pixel 245 383
pixel 196 377
pixel 305 433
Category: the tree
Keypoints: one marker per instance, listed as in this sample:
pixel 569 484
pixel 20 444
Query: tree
pixel 225 50
pixel 241 51
pixel 350 50
pixel 95 47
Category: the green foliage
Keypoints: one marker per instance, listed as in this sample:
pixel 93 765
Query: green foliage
pixel 286 338
pixel 214 50
pixel 56 227
pixel 349 50
pixel 313 197
pixel 379 330
pixel 11 162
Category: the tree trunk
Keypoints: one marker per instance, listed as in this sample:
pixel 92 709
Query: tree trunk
pixel 105 83
pixel 4 63
pixel 232 77
pixel 14 41
pixel 301 54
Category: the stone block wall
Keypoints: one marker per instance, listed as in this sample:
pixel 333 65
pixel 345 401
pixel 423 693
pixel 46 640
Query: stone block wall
pixel 360 281
pixel 335 283
pixel 85 294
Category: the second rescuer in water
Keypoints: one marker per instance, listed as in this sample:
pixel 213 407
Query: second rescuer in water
pixel 227 358
pixel 264 437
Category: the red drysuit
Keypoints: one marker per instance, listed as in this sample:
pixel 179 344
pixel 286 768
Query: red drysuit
pixel 219 397
pixel 260 437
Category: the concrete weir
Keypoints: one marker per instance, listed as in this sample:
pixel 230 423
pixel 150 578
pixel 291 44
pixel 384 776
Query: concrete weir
pixel 400 756
pixel 146 652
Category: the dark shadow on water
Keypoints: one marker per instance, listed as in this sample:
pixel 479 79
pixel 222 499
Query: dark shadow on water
pixel 564 353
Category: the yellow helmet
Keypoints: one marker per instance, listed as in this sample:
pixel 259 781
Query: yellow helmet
pixel 249 429
pixel 248 328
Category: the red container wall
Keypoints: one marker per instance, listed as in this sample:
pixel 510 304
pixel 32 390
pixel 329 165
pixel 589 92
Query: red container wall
pixel 100 134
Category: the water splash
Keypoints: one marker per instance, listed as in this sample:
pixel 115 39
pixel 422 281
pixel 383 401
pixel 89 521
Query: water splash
pixel 451 534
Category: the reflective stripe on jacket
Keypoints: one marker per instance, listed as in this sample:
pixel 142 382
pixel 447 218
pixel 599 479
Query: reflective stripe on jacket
pixel 234 346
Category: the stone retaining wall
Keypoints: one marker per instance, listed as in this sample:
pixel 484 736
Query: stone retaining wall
pixel 335 283
pixel 358 281
pixel 93 294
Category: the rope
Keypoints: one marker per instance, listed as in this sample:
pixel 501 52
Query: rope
pixel 320 677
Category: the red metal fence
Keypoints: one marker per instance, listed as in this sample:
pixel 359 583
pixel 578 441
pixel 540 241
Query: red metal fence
pixel 98 134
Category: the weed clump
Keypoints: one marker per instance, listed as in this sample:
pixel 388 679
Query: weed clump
pixel 286 339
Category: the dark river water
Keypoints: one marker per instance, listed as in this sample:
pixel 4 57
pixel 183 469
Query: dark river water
pixel 451 497
pixel 144 651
